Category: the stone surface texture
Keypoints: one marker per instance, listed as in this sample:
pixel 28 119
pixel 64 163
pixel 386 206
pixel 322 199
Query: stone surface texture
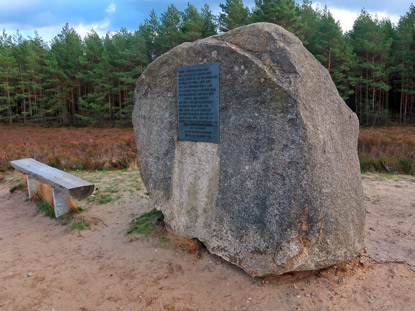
pixel 282 190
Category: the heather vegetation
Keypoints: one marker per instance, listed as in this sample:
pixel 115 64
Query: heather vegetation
pixel 388 149
pixel 69 148
pixel 385 149
pixel 90 81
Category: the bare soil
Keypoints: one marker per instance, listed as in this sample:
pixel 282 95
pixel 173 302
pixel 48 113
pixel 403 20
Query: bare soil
pixel 46 266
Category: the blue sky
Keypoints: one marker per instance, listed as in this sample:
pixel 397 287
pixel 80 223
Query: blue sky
pixel 48 16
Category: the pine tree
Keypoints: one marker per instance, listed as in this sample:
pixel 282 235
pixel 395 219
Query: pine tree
pixel 372 49
pixel 68 49
pixel 281 12
pixel 209 22
pixel 90 110
pixel 404 56
pixel 330 47
pixel 234 14
pixel 192 24
pixel 311 19
pixel 171 33
pixel 150 31
pixel 8 73
pixel 55 103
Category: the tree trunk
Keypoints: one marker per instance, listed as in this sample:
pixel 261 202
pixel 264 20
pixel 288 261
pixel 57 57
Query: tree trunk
pixel 400 107
pixel 405 108
pixel 329 64
pixel 9 107
pixel 109 105
pixel 119 97
pixel 73 106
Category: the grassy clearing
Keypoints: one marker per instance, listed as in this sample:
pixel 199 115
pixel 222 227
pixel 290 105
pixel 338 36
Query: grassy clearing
pixel 387 149
pixel 114 186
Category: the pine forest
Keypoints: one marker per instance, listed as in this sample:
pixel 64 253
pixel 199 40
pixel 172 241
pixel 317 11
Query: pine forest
pixel 90 81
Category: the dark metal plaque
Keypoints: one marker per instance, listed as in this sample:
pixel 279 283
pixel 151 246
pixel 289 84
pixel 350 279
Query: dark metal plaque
pixel 198 102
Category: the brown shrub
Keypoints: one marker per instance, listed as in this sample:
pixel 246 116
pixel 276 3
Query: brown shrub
pixel 45 192
pixel 387 149
pixel 68 148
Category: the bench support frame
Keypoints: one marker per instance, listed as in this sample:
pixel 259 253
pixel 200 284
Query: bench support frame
pixel 60 202
pixel 31 186
pixel 60 197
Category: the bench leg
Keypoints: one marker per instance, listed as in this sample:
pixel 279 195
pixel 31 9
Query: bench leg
pixel 31 186
pixel 60 199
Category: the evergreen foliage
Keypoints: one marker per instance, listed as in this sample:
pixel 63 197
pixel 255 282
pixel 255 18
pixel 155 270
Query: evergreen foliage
pixel 81 81
pixel 234 14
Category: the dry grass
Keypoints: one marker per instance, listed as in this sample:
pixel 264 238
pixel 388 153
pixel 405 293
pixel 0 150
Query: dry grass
pixel 387 149
pixel 69 148
pixel 191 246
pixel 44 192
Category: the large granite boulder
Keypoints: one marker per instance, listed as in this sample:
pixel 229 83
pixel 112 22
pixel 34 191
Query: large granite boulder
pixel 282 190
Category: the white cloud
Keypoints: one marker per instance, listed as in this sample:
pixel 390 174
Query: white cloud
pixel 47 33
pixel 111 9
pixel 100 28
pixel 347 17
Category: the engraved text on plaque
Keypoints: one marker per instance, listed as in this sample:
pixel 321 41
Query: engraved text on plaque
pixel 198 102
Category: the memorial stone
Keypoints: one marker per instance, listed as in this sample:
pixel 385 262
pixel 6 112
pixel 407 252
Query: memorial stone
pixel 267 177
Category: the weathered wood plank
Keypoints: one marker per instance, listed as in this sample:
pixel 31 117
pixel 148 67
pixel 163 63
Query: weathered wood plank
pixel 78 188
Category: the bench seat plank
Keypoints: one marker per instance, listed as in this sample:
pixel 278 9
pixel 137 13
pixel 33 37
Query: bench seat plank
pixel 78 188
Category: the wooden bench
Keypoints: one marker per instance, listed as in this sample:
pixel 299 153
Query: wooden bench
pixel 63 185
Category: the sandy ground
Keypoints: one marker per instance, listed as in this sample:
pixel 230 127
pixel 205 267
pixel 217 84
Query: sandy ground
pixel 46 266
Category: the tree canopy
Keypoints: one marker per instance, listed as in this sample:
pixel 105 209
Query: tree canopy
pixel 90 80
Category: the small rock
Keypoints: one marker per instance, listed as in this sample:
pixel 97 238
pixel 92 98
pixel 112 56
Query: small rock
pixel 298 296
pixel 29 274
pixel 295 286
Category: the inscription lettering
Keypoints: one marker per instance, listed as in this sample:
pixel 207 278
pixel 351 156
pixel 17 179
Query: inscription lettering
pixel 198 102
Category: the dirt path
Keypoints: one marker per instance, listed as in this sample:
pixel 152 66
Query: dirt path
pixel 45 266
